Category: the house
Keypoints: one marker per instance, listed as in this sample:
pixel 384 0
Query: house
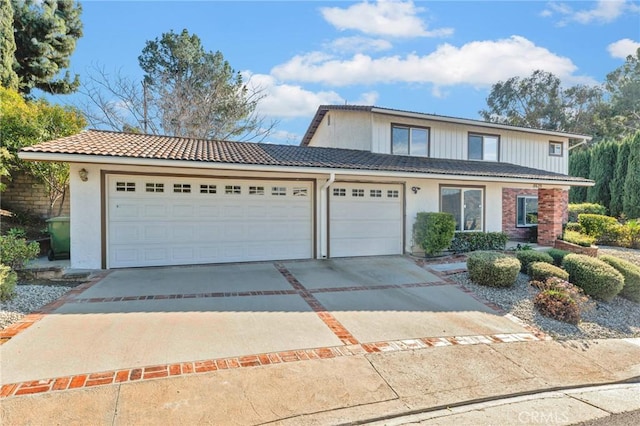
pixel 352 188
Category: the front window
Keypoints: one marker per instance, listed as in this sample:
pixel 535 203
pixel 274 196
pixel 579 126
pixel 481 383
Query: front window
pixel 407 140
pixel 527 211
pixel 465 204
pixel 483 147
pixel 555 149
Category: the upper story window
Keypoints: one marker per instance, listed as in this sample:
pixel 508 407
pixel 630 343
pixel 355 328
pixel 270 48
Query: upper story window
pixel 483 147
pixel 407 140
pixel 555 149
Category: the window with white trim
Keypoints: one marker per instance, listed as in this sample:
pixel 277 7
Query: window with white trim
pixel 339 192
pixel 357 192
pixel 184 188
pixel 256 190
pixel 208 189
pixel 393 193
pixel 125 186
pixel 406 140
pixel 232 189
pixel 154 187
pixel 279 191
pixel 375 193
pixel 465 204
pixel 527 211
pixel 555 149
pixel 483 147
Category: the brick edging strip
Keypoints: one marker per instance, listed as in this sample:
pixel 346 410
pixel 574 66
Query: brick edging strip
pixel 205 366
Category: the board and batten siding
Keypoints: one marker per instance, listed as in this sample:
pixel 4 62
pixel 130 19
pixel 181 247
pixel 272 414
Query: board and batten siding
pixel 450 140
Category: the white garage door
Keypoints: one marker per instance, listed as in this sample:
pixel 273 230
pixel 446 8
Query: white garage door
pixel 154 221
pixel 365 219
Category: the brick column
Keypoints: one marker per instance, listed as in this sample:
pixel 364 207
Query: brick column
pixel 550 215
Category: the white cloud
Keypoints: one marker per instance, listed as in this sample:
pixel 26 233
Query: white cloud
pixel 478 63
pixel 604 12
pixel 358 44
pixel 623 48
pixel 383 18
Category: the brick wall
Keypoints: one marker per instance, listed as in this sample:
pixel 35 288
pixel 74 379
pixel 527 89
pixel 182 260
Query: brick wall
pixel 24 193
pixel 509 210
pixel 550 215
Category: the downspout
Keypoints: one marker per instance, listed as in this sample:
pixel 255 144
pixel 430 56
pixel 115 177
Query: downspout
pixel 577 145
pixel 324 220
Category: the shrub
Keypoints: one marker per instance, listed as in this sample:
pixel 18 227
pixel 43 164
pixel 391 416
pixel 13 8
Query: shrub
pixel 631 274
pixel 632 230
pixel 594 276
pixel 557 255
pixel 578 238
pixel 492 268
pixel 14 252
pixel 574 226
pixel 529 256
pixel 557 305
pixel 471 241
pixel 595 225
pixel 434 231
pixel 541 271
pixel 576 209
pixel 8 280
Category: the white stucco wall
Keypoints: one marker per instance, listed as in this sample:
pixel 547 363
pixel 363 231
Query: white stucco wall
pixel 85 222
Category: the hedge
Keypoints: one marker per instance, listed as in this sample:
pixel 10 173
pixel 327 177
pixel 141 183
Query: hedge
pixel 631 274
pixel 472 241
pixel 541 271
pixel 576 209
pixel 492 269
pixel 529 256
pixel 595 225
pixel 433 232
pixel 578 238
pixel 597 278
pixel 557 255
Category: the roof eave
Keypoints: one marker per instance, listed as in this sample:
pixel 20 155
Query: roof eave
pixel 190 164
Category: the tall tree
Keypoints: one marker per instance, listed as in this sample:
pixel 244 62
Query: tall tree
pixel 46 33
pixel 579 162
pixel 603 160
pixel 631 198
pixel 8 76
pixel 623 87
pixel 616 208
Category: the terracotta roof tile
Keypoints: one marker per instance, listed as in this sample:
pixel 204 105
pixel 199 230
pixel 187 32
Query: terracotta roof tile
pixel 128 145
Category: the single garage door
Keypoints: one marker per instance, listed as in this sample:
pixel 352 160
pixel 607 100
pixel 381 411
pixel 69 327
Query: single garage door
pixel 153 221
pixel 365 219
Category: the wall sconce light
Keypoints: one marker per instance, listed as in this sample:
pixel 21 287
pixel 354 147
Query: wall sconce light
pixel 415 189
pixel 84 175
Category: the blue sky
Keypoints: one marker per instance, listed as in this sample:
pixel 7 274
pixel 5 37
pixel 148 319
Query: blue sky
pixel 427 56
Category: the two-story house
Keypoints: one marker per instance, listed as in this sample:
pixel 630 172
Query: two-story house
pixel 352 188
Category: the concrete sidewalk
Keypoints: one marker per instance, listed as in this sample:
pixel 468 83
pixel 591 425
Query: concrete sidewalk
pixel 391 388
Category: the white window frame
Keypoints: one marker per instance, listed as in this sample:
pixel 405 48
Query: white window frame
pixel 524 225
pixel 461 220
pixel 553 152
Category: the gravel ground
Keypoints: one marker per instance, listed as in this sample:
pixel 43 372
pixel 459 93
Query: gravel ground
pixel 615 319
pixel 30 297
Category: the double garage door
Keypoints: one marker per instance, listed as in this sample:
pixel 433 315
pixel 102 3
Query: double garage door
pixel 158 220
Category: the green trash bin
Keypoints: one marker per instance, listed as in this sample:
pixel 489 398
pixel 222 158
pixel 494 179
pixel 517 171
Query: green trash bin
pixel 60 234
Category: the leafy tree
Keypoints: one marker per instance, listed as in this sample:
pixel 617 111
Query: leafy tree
pixel 24 123
pixel 623 87
pixel 603 159
pixel 619 175
pixel 8 76
pixel 189 92
pixel 579 166
pixel 631 198
pixel 46 33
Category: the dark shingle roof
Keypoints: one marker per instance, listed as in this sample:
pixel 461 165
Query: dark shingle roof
pixel 128 145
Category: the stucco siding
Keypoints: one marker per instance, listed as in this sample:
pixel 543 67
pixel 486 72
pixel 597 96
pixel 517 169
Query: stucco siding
pixel 344 129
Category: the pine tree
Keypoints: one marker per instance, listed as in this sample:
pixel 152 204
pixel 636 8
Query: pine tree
pixel 631 198
pixel 579 166
pixel 603 161
pixel 620 174
pixel 8 76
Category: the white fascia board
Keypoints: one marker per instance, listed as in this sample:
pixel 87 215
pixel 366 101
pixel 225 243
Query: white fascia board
pixel 132 161
pixel 477 123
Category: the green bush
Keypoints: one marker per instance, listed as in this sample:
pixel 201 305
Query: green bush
pixel 14 252
pixel 434 231
pixel 576 209
pixel 633 229
pixel 529 256
pixel 595 225
pixel 557 305
pixel 631 274
pixel 541 271
pixel 464 242
pixel 578 238
pixel 594 276
pixel 492 269
pixel 557 255
pixel 8 280
pixel 574 226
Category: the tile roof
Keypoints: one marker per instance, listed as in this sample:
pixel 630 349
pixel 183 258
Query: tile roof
pixel 323 109
pixel 93 143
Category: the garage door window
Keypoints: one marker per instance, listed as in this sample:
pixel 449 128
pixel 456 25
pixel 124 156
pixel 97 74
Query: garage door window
pixel 256 190
pixel 357 192
pixel 154 187
pixel 232 189
pixel 300 192
pixel 465 204
pixel 182 188
pixel 375 193
pixel 126 186
pixel 339 192
pixel 393 194
pixel 279 191
pixel 208 189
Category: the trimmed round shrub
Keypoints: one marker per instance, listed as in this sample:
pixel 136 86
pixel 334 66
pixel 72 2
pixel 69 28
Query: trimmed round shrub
pixel 540 271
pixel 434 231
pixel 557 255
pixel 529 256
pixel 8 280
pixel 492 269
pixel 574 226
pixel 578 238
pixel 597 278
pixel 576 209
pixel 558 305
pixel 631 274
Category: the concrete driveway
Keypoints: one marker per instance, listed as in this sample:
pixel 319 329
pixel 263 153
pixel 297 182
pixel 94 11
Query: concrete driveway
pixel 158 316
